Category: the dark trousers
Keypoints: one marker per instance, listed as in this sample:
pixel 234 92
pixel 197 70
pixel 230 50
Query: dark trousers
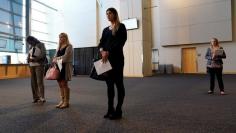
pixel 218 73
pixel 118 81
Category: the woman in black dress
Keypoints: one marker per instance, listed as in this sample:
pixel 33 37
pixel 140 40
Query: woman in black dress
pixel 111 48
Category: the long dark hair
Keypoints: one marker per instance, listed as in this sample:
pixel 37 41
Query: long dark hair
pixel 32 39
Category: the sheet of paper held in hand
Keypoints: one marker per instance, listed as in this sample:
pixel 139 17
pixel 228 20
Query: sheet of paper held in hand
pixel 59 64
pixel 102 67
pixel 219 52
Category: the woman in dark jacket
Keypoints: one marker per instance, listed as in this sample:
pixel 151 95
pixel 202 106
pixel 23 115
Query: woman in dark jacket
pixel 111 48
pixel 214 57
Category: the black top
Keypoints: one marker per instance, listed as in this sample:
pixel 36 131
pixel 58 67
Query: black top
pixel 114 44
pixel 61 52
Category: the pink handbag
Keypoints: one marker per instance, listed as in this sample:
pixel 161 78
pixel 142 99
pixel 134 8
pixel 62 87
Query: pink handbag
pixel 52 73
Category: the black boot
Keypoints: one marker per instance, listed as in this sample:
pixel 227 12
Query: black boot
pixel 116 115
pixel 109 113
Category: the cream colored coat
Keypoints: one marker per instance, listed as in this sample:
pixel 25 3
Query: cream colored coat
pixel 67 58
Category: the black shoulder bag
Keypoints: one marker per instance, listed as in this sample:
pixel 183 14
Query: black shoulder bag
pixel 93 73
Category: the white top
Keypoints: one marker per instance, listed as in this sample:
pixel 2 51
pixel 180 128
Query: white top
pixel 34 53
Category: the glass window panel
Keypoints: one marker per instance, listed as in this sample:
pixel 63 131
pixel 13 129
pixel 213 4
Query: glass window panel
pixel 4 35
pixel 17 8
pixel 19 45
pixel 3 43
pixel 6 28
pixel 18 32
pixel 18 21
pixel 5 4
pixel 11 46
pixel 5 17
pixel 20 1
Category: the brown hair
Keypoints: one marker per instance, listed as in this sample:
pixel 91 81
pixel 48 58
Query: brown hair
pixel 116 18
pixel 217 42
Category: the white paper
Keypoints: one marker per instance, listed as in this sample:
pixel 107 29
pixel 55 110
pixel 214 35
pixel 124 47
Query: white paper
pixel 59 64
pixel 102 67
pixel 219 52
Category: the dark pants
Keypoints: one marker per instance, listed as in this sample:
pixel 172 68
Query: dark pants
pixel 218 72
pixel 116 79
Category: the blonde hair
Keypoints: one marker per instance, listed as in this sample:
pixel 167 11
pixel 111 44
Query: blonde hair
pixel 116 18
pixel 217 42
pixel 66 37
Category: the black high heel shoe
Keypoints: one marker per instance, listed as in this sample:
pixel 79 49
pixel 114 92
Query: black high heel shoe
pixel 116 115
pixel 109 113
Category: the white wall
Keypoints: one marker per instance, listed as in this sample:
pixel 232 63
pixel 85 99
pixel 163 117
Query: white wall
pixel 133 49
pixel 194 21
pixel 102 22
pixel 84 20
pixel 137 49
pixel 172 54
pixel 80 22
pixel 77 18
pixel 46 23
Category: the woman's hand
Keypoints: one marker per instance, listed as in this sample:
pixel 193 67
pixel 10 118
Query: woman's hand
pixel 105 55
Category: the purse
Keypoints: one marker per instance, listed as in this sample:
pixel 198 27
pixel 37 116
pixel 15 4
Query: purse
pixel 53 73
pixel 94 75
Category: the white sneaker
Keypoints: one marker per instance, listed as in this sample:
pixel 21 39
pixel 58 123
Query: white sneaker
pixel 222 93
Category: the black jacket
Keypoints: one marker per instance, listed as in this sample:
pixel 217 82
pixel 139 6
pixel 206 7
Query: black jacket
pixel 114 45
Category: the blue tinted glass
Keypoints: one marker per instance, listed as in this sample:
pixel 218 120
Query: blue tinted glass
pixel 18 21
pixel 9 46
pixel 18 32
pixel 5 17
pixel 17 8
pixel 18 46
pixel 3 43
pixel 5 4
pixel 6 28
pixel 20 1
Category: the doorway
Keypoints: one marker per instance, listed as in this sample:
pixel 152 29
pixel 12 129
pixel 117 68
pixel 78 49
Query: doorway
pixel 189 60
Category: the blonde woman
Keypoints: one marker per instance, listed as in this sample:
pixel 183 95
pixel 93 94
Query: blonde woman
pixel 214 57
pixel 64 52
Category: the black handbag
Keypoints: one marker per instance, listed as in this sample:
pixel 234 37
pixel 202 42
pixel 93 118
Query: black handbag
pixel 94 75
